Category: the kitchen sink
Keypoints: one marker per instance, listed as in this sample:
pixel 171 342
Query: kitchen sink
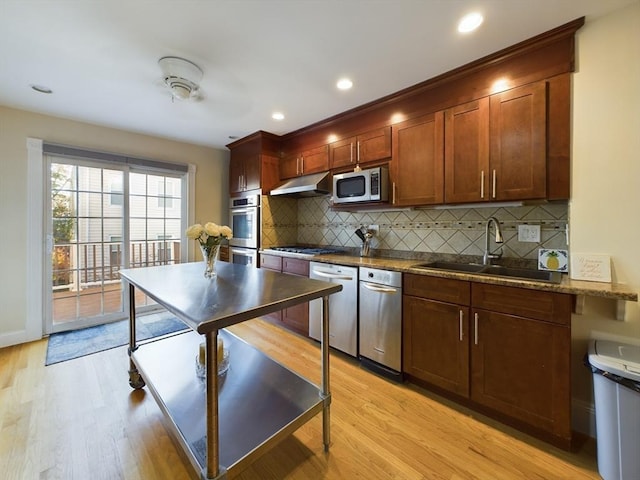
pixel 456 267
pixel 496 270
pixel 540 275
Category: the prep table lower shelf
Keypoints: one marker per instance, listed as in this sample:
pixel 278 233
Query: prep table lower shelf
pixel 259 400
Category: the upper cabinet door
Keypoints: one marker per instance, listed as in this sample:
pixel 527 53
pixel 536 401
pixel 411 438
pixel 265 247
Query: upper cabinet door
pixel 518 143
pixel 374 145
pixel 466 152
pixel 289 167
pixel 367 147
pixel 418 161
pixel 236 175
pixel 342 153
pixel 314 160
pixel 252 172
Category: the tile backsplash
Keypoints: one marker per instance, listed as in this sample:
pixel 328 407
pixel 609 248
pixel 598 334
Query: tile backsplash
pixel 456 231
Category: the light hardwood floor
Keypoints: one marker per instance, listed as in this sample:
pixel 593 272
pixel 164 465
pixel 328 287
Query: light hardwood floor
pixel 80 420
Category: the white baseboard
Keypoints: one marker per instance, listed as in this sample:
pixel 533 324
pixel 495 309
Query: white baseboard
pixel 583 417
pixel 15 338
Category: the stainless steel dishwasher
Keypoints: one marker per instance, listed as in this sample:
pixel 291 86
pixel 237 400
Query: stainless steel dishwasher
pixel 343 307
pixel 380 330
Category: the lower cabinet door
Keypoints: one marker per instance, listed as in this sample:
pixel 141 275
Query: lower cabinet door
pixel 297 318
pixel 520 367
pixel 436 344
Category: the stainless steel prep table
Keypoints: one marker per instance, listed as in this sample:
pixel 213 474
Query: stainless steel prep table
pixel 259 400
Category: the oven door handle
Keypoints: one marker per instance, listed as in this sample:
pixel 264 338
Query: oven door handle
pixel 243 210
pixel 377 288
pixel 336 276
pixel 242 251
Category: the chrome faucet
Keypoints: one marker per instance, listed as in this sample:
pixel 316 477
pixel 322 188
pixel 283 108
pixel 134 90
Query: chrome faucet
pixel 488 255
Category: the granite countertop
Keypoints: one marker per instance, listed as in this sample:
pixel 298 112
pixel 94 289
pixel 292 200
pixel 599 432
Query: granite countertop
pixel 407 265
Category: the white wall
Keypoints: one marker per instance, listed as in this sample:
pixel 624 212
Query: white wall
pixel 603 212
pixel 211 192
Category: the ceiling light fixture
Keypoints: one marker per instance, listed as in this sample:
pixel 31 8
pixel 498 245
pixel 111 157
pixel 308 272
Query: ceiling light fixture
pixel 344 84
pixel 470 22
pixel 277 116
pixel 181 76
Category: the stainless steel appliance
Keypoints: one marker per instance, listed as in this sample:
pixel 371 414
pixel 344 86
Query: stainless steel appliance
pixel 243 256
pixel 368 185
pixel 244 220
pixel 380 331
pixel 343 307
pixel 313 185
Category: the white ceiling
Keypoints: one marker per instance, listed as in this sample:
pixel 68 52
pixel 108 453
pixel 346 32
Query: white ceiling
pixel 100 56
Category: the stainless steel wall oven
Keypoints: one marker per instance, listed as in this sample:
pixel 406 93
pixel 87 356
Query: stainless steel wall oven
pixel 244 220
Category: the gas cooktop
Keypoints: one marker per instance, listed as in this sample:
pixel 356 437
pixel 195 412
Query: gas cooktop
pixel 305 250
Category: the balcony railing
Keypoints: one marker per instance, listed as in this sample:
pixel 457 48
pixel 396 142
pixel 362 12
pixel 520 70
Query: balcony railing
pixel 76 266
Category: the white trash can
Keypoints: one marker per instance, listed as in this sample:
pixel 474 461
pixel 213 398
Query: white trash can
pixel 616 386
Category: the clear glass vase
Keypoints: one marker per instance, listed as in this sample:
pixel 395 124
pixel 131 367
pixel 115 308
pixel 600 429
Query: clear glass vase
pixel 210 254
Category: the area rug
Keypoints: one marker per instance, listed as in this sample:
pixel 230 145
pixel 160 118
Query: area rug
pixel 77 343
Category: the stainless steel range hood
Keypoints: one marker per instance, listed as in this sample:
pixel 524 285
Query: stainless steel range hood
pixel 313 185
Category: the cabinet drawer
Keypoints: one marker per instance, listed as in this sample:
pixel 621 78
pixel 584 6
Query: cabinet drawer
pixel 435 288
pixel 271 262
pixel 295 266
pixel 535 304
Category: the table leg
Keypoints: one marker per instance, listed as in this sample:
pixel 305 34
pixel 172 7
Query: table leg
pixel 326 393
pixel 213 451
pixel 135 379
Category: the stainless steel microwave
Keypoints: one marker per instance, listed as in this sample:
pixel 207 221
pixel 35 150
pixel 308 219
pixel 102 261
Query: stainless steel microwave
pixel 368 185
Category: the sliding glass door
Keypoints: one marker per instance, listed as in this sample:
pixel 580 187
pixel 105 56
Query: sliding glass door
pixel 104 217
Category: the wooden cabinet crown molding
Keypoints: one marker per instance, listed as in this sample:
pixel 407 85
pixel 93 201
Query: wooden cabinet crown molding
pixel 540 57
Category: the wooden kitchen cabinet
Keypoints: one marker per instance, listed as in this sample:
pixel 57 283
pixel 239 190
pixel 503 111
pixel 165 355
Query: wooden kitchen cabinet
pixel 495 147
pixel 313 160
pixel 435 331
pixel 521 356
pixel 417 173
pixel 274 263
pixel 364 148
pixel 294 318
pixel 518 143
pixel 521 368
pixel 506 349
pixel 466 152
pixel 254 163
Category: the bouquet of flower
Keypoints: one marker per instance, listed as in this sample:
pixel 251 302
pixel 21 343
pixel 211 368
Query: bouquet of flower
pixel 210 235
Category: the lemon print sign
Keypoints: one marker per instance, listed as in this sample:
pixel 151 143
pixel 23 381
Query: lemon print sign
pixel 553 260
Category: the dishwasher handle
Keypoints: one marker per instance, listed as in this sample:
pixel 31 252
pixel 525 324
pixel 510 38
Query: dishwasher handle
pixel 335 276
pixel 378 288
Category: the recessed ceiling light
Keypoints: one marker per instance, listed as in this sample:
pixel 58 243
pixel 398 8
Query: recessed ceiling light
pixel 344 84
pixel 470 22
pixel 41 89
pixel 277 116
